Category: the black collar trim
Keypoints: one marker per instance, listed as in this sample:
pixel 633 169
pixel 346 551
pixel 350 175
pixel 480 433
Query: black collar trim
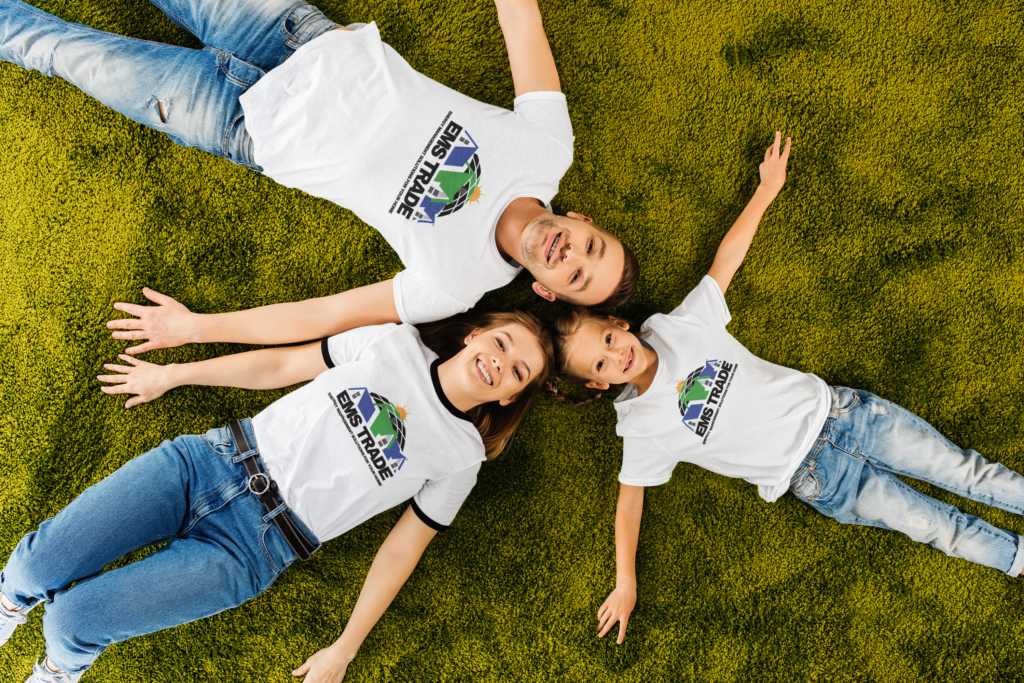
pixel 440 394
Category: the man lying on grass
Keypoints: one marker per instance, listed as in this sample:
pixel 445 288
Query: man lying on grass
pixel 460 189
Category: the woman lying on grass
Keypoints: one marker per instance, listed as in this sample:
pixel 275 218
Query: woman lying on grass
pixel 390 416
pixel 694 394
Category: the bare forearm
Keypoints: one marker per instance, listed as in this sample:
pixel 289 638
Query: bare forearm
pixel 301 320
pixel 736 242
pixel 628 514
pixel 529 53
pixel 262 369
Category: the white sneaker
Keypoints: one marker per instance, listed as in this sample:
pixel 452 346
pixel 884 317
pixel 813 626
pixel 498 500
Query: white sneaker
pixel 42 674
pixel 10 621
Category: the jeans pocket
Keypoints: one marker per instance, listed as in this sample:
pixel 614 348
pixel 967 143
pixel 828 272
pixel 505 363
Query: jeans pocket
pixel 806 484
pixel 237 71
pixel 218 440
pixel 846 400
pixel 276 550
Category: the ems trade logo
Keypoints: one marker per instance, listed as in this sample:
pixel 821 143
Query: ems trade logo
pixel 700 395
pixel 377 427
pixel 445 178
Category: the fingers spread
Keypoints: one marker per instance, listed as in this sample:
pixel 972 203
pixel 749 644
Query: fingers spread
pixel 141 348
pixel 301 671
pixel 113 379
pixel 622 630
pixel 778 141
pixel 131 309
pixel 768 153
pixel 155 296
pixel 128 359
pixel 116 389
pixel 785 152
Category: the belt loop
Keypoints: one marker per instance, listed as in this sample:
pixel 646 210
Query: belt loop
pixel 275 512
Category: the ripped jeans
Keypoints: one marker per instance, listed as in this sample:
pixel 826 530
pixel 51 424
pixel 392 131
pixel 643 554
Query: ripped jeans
pixel 191 95
pixel 850 471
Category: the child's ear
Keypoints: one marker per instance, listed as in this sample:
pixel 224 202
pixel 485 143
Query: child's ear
pixel 621 323
pixel 600 386
pixel 505 401
pixel 472 335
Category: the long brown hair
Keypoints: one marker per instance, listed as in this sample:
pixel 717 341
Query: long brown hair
pixel 496 423
pixel 566 327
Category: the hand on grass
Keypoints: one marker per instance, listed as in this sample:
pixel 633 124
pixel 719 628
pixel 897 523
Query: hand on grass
pixel 326 666
pixel 617 608
pixel 165 325
pixel 773 170
pixel 147 381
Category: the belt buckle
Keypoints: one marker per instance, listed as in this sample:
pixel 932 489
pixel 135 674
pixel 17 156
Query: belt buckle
pixel 259 483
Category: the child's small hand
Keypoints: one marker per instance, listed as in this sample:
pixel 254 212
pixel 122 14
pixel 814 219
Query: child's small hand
pixel 773 170
pixel 147 381
pixel 617 608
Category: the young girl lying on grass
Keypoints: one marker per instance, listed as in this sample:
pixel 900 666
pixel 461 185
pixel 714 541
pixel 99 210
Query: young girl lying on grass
pixel 695 394
pixel 390 416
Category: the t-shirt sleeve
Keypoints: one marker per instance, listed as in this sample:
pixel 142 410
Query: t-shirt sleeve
pixel 420 301
pixel 437 503
pixel 349 346
pixel 549 112
pixel 644 463
pixel 705 305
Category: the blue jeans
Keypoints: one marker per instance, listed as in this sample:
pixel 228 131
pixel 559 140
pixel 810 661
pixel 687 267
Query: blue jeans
pixel 221 550
pixel 850 475
pixel 191 95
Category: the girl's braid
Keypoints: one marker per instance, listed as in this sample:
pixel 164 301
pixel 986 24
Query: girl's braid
pixel 557 394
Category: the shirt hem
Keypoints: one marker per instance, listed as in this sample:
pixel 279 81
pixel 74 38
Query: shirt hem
pixel 645 482
pixel 819 423
pixel 436 526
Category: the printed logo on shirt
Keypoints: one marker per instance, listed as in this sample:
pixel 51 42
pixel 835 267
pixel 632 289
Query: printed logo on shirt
pixel 377 427
pixel 701 395
pixel 444 179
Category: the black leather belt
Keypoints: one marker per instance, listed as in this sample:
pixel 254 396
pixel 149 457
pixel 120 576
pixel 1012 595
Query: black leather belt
pixel 265 489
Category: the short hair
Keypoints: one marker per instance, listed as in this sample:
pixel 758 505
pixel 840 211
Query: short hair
pixel 630 278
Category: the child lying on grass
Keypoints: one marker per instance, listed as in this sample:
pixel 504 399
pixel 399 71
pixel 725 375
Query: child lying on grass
pixel 695 394
pixel 238 505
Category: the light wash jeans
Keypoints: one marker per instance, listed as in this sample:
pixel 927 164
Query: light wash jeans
pixel 221 550
pixel 850 471
pixel 191 95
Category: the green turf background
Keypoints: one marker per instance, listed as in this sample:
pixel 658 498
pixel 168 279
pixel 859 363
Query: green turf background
pixel 890 262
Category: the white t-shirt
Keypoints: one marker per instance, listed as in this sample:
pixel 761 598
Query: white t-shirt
pixel 715 404
pixel 347 119
pixel 371 432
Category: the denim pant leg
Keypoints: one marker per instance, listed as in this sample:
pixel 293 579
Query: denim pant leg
pixel 191 95
pixel 262 32
pixel 142 503
pixel 847 476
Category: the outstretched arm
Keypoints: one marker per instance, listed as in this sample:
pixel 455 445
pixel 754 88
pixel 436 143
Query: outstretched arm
pixel 529 54
pixel 622 600
pixel 391 568
pixel 262 369
pixel 737 241
pixel 170 324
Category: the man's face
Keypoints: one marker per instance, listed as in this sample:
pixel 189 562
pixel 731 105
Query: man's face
pixel 572 259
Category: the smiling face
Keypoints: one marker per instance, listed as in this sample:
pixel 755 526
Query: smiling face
pixel 607 353
pixel 572 259
pixel 499 362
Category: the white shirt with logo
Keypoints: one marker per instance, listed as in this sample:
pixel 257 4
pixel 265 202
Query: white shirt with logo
pixel 369 433
pixel 346 118
pixel 714 404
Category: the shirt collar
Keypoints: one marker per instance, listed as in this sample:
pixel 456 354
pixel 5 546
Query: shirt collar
pixel 440 394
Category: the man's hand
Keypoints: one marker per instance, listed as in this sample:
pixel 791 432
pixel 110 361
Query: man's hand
pixel 326 666
pixel 773 170
pixel 148 381
pixel 617 608
pixel 166 325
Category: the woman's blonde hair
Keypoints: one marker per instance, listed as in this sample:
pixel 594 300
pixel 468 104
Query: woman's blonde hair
pixel 496 423
pixel 566 327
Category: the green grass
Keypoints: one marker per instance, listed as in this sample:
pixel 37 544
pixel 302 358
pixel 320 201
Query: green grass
pixel 892 261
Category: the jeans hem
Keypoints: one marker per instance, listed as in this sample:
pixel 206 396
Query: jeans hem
pixel 1018 560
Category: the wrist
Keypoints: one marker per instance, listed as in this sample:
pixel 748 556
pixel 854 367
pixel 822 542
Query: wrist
pixel 195 331
pixel 765 195
pixel 625 581
pixel 343 649
pixel 174 376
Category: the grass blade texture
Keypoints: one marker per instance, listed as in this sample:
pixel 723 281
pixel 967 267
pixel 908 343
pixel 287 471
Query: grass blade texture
pixel 891 261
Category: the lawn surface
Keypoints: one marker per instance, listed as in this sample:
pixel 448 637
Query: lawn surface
pixel 892 262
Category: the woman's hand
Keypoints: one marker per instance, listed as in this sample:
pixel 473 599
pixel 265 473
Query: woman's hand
pixel 773 169
pixel 326 666
pixel 166 325
pixel 617 608
pixel 147 381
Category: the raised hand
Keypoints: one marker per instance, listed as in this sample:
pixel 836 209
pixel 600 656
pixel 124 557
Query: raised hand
pixel 617 608
pixel 166 325
pixel 773 169
pixel 147 381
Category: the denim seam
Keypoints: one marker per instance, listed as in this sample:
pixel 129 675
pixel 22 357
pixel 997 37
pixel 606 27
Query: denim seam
pixel 266 552
pixel 291 40
pixel 80 27
pixel 959 492
pixel 241 490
